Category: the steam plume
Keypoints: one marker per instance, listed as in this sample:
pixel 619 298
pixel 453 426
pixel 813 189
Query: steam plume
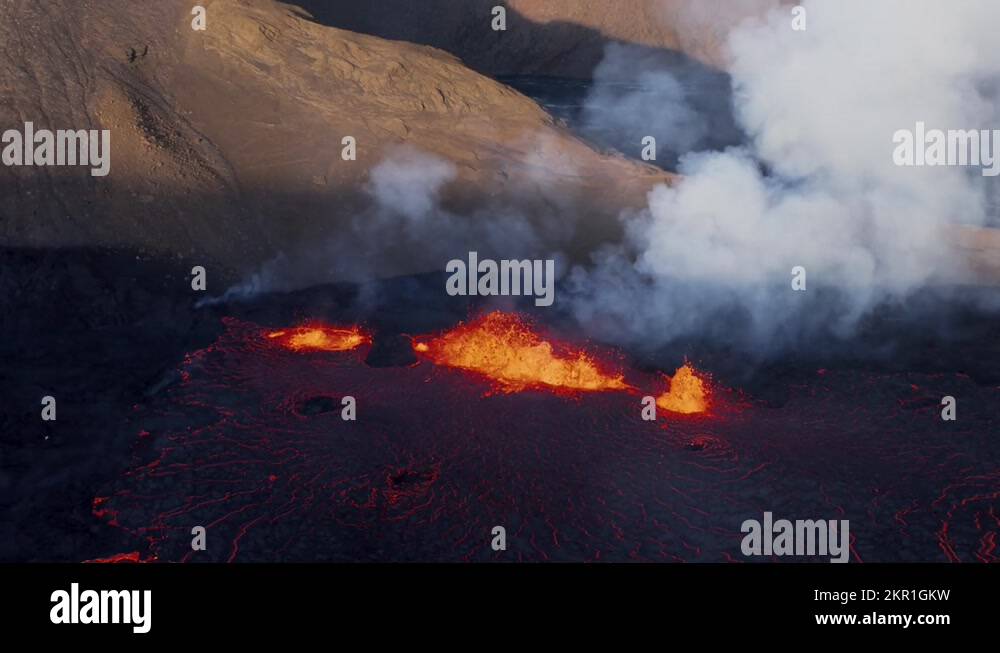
pixel 816 185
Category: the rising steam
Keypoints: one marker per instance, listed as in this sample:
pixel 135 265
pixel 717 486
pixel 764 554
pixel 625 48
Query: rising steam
pixel 800 174
pixel 816 185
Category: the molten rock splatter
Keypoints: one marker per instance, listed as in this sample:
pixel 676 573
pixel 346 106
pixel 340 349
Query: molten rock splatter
pixel 503 348
pixel 321 338
pixel 688 393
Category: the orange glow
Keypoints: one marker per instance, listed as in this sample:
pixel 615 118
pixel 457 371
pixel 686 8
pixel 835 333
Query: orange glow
pixel 688 393
pixel 118 558
pixel 503 348
pixel 321 338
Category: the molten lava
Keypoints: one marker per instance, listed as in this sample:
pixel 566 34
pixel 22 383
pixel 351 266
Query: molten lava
pixel 118 558
pixel 321 338
pixel 503 348
pixel 688 393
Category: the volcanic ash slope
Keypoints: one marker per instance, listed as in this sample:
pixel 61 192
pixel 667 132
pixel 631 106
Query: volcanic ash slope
pixel 226 143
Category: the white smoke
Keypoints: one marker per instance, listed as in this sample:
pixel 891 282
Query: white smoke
pixel 813 184
pixel 636 93
pixel 408 184
pixel 408 228
pixel 816 186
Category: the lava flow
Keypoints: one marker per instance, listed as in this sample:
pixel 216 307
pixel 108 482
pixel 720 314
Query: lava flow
pixel 688 393
pixel 502 347
pixel 250 442
pixel 321 338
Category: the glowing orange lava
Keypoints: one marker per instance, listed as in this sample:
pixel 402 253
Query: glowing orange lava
pixel 688 393
pixel 321 338
pixel 503 348
pixel 118 558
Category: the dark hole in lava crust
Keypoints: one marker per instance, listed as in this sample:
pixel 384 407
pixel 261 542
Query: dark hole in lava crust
pixel 391 351
pixel 409 477
pixel 317 406
pixel 698 443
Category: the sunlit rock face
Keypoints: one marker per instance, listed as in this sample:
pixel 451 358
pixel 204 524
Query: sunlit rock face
pixel 207 162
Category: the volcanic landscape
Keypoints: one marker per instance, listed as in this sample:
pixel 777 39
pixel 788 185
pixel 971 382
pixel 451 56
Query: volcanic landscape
pixel 226 409
pixel 244 436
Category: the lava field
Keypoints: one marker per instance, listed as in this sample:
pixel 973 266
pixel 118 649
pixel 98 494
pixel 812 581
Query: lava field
pixel 247 440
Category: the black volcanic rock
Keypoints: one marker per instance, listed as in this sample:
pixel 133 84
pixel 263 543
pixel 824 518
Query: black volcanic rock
pixel 391 351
